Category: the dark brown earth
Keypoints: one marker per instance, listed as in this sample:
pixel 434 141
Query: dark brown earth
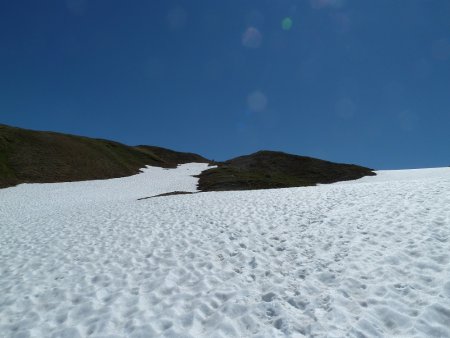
pixel 28 156
pixel 168 194
pixel 270 169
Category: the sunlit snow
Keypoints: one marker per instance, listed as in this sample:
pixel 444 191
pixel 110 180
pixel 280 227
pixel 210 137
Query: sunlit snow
pixel 369 257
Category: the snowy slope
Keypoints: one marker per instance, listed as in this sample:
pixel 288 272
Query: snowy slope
pixel 364 258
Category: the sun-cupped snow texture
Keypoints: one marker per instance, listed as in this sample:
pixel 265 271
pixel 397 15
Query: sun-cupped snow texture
pixel 152 181
pixel 369 258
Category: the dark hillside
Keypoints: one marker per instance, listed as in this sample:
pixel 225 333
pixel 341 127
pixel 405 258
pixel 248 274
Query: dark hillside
pixel 270 169
pixel 28 156
pixel 171 156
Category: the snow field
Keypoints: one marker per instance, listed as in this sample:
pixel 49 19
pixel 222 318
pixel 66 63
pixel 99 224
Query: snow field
pixel 368 258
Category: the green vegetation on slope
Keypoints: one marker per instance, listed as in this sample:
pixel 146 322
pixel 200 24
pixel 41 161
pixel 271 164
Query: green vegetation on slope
pixel 28 156
pixel 270 169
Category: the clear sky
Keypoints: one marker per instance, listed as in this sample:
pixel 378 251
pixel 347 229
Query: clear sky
pixel 357 81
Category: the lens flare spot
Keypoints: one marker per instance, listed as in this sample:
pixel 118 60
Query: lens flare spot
pixel 257 101
pixel 287 23
pixel 76 7
pixel 408 120
pixel 321 4
pixel 252 38
pixel 345 108
pixel 177 18
pixel 441 49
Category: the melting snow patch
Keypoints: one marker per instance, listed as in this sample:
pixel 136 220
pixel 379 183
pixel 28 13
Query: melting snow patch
pixel 361 258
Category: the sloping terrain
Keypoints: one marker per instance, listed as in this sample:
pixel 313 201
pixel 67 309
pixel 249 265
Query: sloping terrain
pixel 270 169
pixel 365 258
pixel 28 156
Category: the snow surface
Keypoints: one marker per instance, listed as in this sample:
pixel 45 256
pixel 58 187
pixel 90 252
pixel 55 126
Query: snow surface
pixel 367 258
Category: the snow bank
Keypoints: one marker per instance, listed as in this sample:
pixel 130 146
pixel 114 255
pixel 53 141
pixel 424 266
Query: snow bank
pixel 365 258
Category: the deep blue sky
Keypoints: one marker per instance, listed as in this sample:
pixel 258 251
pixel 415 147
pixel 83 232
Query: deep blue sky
pixel 358 81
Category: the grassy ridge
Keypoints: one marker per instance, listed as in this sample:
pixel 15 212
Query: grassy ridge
pixel 270 169
pixel 28 156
